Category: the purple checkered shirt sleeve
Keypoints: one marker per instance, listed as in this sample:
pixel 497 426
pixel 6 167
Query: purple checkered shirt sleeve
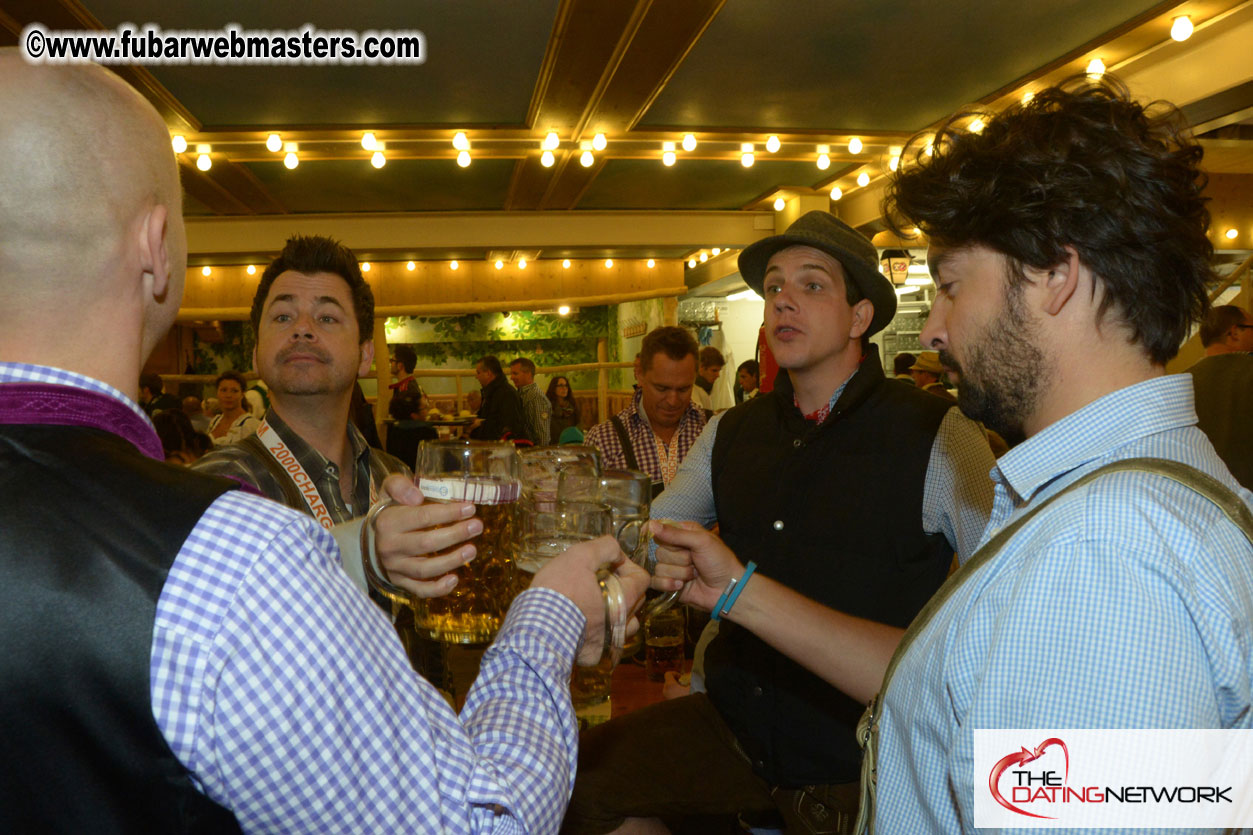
pixel 289 698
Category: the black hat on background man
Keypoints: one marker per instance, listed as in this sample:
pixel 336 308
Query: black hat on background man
pixel 826 232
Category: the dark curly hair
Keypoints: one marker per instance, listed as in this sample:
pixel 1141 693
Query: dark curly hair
pixel 311 254
pixel 1082 165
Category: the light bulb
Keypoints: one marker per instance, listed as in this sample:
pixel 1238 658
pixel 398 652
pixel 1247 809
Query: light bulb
pixel 460 141
pixel 565 264
pixel 651 263
pixel 463 159
pixel 1181 28
pixel 252 270
pixel 779 204
pixel 894 163
pixel 500 265
pixel 747 159
pixel 368 141
pixel 411 266
pixel 1096 67
pixel 824 162
pixel 453 265
pixel 689 143
pixel 274 143
pixel 836 192
pixel 563 310
pixel 291 160
pixel 691 263
pixel 668 158
pixel 378 160
pixel 854 145
pixel 547 159
pixel 586 159
pixel 522 263
pixel 551 141
pixel 715 252
pixel 772 144
pixel 608 263
pixel 203 162
pixel 365 266
pixel 599 142
pixel 704 256
pixel 863 179
pixel 180 144
pixel 206 272
pixel 1231 234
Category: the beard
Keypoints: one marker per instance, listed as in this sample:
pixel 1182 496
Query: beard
pixel 1004 374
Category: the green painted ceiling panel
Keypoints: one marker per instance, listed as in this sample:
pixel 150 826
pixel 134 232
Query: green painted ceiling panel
pixel 483 60
pixel 831 64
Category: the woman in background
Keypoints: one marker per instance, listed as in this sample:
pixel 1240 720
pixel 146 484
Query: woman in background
pixel 565 410
pixel 235 422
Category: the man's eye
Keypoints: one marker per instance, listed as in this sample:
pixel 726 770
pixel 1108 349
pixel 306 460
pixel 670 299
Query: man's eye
pixel 329 319
pixel 282 317
pixel 814 285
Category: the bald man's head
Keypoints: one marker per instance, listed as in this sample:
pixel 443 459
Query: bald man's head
pixel 84 159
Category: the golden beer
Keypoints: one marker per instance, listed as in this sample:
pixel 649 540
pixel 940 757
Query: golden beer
pixel 486 474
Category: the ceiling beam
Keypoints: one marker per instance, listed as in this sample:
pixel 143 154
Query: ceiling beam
pixel 381 233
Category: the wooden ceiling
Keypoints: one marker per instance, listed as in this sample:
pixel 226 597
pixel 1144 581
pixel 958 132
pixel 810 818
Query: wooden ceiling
pixel 642 72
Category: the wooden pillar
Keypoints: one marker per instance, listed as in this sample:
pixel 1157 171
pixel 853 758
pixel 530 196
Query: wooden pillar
pixel 670 310
pixel 382 373
pixel 602 382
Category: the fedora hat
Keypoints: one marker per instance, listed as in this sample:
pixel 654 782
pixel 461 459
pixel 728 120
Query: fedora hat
pixel 824 231
pixel 928 361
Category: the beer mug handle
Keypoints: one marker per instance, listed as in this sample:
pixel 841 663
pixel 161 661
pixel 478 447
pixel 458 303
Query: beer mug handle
pixel 375 576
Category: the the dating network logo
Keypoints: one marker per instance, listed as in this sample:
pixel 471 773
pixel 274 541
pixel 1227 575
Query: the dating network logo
pixel 1021 790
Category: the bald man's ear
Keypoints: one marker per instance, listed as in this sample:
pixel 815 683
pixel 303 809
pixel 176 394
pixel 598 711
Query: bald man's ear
pixel 154 257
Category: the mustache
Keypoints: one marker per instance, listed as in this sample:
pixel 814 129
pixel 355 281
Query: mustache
pixel 303 349
pixel 950 362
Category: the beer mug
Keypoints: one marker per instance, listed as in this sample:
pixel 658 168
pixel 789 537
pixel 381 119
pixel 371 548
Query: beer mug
pixel 626 493
pixel 487 474
pixel 547 531
pixel 542 467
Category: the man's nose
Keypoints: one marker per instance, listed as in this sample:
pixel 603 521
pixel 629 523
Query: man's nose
pixel 935 332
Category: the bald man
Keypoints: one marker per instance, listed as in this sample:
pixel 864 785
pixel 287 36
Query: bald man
pixel 209 665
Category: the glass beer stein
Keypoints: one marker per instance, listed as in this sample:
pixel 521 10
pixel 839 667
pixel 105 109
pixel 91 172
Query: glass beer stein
pixel 542 467
pixel 486 474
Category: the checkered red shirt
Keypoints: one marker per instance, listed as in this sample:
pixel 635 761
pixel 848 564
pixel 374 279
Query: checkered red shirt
pixel 659 461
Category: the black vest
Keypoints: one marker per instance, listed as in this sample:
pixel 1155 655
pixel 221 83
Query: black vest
pixel 833 511
pixel 89 530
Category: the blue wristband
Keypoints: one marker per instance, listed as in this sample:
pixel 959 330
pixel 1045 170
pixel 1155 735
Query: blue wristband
pixel 732 593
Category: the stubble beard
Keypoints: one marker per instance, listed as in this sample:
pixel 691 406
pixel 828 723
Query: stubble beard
pixel 1005 372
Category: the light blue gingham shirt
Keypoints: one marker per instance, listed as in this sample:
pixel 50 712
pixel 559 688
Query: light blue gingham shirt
pixel 288 697
pixel 1126 604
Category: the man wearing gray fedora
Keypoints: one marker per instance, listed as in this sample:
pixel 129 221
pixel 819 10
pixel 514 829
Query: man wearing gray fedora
pixel 853 491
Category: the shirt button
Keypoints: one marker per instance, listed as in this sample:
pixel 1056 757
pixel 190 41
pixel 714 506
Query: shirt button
pixel 757 692
pixel 797 443
pixel 760 765
pixel 778 524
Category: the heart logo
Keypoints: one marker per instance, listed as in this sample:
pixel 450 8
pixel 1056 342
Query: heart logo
pixel 1020 758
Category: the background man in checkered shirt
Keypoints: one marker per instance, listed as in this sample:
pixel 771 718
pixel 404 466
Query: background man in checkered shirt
pixel 655 431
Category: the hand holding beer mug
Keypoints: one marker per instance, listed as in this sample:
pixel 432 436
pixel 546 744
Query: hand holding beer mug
pixel 485 474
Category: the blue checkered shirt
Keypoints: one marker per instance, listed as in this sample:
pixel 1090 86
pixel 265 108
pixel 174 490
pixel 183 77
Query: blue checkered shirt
pixel 288 697
pixel 1125 604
